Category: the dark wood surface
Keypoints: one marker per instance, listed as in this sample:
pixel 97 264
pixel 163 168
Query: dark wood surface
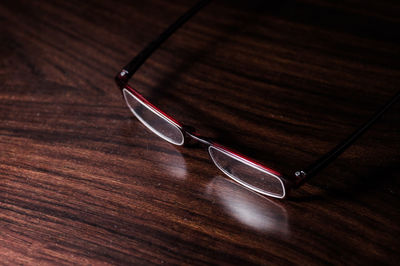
pixel 82 181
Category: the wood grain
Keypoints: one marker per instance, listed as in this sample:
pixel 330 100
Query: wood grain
pixel 82 182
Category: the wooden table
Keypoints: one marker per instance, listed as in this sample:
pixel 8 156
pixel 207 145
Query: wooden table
pixel 82 181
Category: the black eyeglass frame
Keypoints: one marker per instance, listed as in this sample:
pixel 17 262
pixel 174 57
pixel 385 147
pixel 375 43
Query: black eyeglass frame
pixel 300 176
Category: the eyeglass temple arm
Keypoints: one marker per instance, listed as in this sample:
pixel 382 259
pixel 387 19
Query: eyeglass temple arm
pixel 321 163
pixel 127 72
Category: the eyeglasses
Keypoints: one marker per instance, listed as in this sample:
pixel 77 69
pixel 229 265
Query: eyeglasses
pixel 240 168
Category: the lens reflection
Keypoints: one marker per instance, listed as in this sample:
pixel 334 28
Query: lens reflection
pixel 170 162
pixel 249 208
pixel 153 120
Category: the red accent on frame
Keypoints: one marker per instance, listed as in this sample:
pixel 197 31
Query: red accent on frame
pixel 137 94
pixel 248 159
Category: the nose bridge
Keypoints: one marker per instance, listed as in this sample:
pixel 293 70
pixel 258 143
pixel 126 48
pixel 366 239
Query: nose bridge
pixel 190 132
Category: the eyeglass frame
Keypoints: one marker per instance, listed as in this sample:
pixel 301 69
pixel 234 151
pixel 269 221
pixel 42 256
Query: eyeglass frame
pixel 188 132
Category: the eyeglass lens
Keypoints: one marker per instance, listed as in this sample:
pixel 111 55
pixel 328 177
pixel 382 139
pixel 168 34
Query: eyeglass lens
pixel 153 119
pixel 247 173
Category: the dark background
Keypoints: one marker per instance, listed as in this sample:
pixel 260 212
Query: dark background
pixel 82 181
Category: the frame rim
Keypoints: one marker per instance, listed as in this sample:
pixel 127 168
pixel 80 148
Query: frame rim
pixel 156 111
pixel 250 163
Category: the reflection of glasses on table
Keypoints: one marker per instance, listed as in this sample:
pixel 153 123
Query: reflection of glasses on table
pixel 238 167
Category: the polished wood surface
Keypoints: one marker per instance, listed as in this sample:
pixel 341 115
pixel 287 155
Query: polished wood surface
pixel 83 182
